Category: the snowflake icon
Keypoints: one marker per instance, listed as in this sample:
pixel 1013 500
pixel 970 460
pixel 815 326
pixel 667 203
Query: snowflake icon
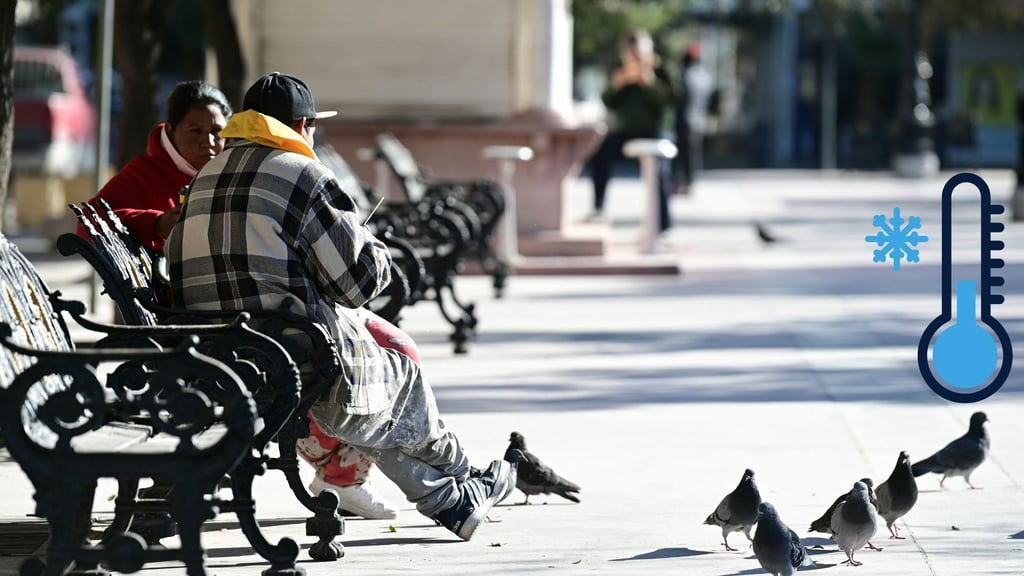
pixel 895 239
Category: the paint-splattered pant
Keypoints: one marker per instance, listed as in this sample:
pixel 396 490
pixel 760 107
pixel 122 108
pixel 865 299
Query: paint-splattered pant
pixel 338 463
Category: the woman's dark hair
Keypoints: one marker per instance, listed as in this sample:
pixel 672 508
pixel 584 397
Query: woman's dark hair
pixel 192 93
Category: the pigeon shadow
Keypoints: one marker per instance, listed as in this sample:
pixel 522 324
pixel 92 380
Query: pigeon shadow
pixel 817 541
pixel 389 540
pixel 1018 535
pixel 532 504
pixel 664 553
pixel 816 566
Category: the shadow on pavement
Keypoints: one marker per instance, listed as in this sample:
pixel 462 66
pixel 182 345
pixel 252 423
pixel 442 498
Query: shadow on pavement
pixel 664 553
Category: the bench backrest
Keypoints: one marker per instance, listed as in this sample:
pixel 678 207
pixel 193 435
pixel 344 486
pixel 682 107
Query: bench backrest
pixel 403 165
pixel 25 305
pixel 125 266
pixel 348 179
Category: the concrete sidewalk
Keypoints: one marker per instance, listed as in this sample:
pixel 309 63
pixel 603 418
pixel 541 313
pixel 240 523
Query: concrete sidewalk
pixel 796 359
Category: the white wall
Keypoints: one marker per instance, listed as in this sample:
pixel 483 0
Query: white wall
pixel 415 58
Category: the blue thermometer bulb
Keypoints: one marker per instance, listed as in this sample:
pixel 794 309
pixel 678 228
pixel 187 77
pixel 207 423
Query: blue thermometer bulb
pixel 965 352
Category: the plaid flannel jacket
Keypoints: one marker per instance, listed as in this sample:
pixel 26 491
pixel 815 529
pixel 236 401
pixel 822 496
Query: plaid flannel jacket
pixel 263 226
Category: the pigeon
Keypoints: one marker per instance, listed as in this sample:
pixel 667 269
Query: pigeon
pixel 897 495
pixel 738 510
pixel 777 547
pixel 824 523
pixel 854 521
pixel 961 456
pixel 763 233
pixel 533 477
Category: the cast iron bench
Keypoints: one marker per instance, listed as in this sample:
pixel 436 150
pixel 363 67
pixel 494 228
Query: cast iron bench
pixel 429 239
pixel 130 277
pixel 480 202
pixel 169 412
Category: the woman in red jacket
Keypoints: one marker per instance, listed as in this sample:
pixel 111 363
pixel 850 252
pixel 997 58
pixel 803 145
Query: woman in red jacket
pixel 145 193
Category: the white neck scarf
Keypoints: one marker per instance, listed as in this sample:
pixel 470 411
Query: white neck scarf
pixel 180 162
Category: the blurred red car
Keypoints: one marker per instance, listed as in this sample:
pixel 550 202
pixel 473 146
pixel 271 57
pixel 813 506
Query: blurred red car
pixel 54 121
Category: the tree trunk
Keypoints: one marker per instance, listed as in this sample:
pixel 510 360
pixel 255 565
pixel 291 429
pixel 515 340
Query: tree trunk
pixel 222 34
pixel 6 100
pixel 138 39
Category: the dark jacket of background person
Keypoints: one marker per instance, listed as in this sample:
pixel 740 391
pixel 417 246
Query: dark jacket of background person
pixel 637 108
pixel 692 108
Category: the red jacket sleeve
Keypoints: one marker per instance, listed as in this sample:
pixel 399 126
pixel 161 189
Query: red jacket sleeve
pixel 143 190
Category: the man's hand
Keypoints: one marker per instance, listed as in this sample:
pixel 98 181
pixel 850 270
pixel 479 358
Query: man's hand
pixel 166 221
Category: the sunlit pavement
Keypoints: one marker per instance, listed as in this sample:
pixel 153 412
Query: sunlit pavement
pixel 797 359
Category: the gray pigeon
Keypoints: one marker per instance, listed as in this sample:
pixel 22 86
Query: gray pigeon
pixel 961 456
pixel 778 549
pixel 897 495
pixel 824 523
pixel 738 510
pixel 854 521
pixel 532 476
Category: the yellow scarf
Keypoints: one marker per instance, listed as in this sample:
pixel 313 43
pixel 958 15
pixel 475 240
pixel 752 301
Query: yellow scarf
pixel 267 131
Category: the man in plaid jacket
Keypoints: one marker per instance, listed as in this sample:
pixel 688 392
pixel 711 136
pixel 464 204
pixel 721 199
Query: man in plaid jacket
pixel 266 224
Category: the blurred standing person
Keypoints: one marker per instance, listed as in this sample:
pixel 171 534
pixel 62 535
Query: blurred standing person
pixel 691 118
pixel 637 98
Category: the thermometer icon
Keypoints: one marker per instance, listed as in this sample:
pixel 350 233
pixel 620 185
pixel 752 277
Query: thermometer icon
pixel 965 364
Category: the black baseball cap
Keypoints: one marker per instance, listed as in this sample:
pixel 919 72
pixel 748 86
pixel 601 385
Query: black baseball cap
pixel 284 97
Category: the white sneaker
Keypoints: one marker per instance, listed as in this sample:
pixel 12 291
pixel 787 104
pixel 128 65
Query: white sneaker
pixel 358 499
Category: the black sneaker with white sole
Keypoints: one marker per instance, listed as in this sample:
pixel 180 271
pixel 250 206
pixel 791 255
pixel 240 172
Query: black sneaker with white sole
pixel 496 469
pixel 476 497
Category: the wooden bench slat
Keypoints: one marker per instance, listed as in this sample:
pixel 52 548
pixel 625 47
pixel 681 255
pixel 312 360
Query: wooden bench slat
pixel 113 437
pixel 165 443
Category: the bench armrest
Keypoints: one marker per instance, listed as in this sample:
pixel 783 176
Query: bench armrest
pixel 180 393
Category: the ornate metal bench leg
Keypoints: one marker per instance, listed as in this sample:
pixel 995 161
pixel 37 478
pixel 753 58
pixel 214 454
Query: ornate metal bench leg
pixel 460 336
pixel 55 499
pixel 127 489
pixel 281 555
pixel 190 512
pixel 468 309
pixel 153 526
pixel 33 566
pixel 125 553
pixel 500 274
pixel 326 524
pixel 83 526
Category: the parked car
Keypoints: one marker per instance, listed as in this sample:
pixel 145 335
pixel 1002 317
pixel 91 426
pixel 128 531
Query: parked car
pixel 54 121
